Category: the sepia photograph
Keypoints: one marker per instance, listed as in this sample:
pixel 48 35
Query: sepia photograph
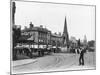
pixel 52 37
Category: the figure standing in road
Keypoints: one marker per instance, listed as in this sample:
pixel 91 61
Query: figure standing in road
pixel 81 58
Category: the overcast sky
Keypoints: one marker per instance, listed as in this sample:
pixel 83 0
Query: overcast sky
pixel 80 19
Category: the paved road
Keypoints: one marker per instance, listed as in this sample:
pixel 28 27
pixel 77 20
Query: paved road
pixel 56 62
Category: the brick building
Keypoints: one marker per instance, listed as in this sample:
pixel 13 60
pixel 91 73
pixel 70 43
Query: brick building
pixel 40 35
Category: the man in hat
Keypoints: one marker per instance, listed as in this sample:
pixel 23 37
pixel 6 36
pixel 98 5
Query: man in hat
pixel 81 58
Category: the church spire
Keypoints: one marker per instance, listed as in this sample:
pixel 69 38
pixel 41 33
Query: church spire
pixel 65 26
pixel 65 34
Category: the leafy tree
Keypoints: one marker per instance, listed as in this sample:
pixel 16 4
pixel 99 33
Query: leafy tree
pixel 16 34
pixel 91 43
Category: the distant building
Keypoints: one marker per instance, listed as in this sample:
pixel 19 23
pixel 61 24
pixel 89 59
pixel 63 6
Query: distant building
pixel 56 40
pixel 73 42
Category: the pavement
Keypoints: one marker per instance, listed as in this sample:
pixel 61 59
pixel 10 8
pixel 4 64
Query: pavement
pixel 23 62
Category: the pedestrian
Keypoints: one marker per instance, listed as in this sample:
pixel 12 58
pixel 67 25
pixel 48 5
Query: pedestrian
pixel 81 58
pixel 76 50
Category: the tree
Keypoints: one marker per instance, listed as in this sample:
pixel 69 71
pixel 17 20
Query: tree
pixel 16 34
pixel 91 43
